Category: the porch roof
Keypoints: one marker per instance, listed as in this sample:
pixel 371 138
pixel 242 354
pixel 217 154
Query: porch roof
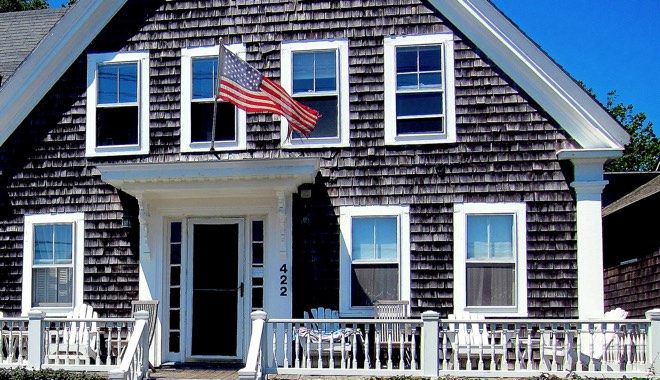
pixel 208 179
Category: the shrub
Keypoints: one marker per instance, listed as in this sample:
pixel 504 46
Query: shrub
pixel 46 374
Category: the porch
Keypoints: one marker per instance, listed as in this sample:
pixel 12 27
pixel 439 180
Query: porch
pixel 426 346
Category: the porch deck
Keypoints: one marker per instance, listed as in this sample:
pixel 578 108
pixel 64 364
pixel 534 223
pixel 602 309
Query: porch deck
pixel 195 372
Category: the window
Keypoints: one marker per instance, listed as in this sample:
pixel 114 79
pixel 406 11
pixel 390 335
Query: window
pixel 419 89
pixel 53 262
pixel 117 104
pixel 375 257
pixel 199 78
pixel 490 270
pixel 316 74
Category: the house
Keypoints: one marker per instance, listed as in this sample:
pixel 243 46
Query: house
pixel 455 166
pixel 631 263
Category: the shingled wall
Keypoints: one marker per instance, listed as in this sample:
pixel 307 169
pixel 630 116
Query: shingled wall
pixel 505 152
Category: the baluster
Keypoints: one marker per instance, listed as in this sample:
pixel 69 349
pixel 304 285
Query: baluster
pixel 296 346
pixel 285 363
pixel 603 359
pixel 331 358
pixel 3 358
pixel 20 344
pixel 530 349
pixel 367 359
pixel 354 342
pixel 491 340
pixel 468 362
pixel 274 348
pixel 377 332
pixel 628 343
pixel 516 364
pixel 617 347
pixel 402 353
pixel 342 349
pixel 578 350
pixel 457 362
pixel 567 335
pixel 504 335
pixel 480 330
pixel 413 350
pixel 592 365
pixel 319 348
pixel 445 342
pixel 308 346
pixel 389 346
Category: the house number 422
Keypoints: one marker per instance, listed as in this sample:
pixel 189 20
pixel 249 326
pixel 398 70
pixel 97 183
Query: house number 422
pixel 284 281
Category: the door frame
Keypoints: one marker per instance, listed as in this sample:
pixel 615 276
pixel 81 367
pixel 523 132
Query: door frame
pixel 188 281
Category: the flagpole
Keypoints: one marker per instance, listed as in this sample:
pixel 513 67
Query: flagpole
pixel 217 91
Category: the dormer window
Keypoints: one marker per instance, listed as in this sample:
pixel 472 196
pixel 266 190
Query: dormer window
pixel 419 89
pixel 199 78
pixel 117 103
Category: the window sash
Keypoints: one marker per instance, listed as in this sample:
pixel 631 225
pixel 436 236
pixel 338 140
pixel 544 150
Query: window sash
pixel 52 286
pixel 119 81
pixel 490 237
pixel 491 284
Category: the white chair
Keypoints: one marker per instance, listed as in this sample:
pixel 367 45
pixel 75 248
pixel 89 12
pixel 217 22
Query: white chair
pixel 391 337
pixel 75 342
pixel 598 346
pixel 474 344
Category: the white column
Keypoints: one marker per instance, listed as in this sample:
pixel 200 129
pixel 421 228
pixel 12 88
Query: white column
pixel 591 288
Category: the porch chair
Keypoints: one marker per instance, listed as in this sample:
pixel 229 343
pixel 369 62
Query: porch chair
pixel 326 337
pixel 391 336
pixel 602 347
pixel 75 342
pixel 474 342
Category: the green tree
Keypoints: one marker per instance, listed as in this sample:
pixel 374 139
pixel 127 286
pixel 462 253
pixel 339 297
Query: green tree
pixel 643 151
pixel 22 5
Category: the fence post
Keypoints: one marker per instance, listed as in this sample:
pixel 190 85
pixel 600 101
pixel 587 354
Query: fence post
pixel 654 341
pixel 35 338
pixel 255 354
pixel 143 315
pixel 429 359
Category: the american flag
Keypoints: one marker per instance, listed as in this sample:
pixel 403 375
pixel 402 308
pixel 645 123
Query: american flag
pixel 245 87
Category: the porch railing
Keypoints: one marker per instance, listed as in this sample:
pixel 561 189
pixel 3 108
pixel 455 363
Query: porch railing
pixel 78 344
pixel 433 347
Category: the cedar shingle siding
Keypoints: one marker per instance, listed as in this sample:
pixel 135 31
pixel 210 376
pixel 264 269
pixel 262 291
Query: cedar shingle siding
pixel 505 153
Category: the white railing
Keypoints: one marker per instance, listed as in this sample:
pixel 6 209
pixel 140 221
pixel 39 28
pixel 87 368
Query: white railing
pixel 77 344
pixel 345 346
pixel 480 348
pixel 253 369
pixel 135 361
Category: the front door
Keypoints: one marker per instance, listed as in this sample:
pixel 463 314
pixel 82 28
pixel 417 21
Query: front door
pixel 215 284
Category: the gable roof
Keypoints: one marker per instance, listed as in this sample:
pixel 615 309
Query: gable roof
pixel 646 190
pixel 21 32
pixel 479 20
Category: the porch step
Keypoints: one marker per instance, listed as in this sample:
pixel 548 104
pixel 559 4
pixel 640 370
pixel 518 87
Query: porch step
pixel 197 371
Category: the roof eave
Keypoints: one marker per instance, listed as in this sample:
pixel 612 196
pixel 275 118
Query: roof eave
pixel 531 68
pixel 50 59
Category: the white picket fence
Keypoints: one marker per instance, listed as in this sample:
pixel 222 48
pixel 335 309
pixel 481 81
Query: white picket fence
pixel 433 347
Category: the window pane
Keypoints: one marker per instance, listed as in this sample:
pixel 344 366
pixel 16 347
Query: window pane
pixel 257 253
pixel 258 230
pixel 406 81
pixel 202 119
pixel 430 80
pixel 43 244
pixel 175 298
pixel 174 341
pixel 430 58
pixel 419 103
pixel 175 276
pixel 175 254
pixel 303 72
pixel 52 286
pixel 374 238
pixel 327 125
pixel 175 232
pixel 204 72
pixel 490 285
pixel 117 83
pixel 426 125
pixel 489 236
pixel 326 71
pixel 406 59
pixel 117 126
pixel 63 243
pixel 373 282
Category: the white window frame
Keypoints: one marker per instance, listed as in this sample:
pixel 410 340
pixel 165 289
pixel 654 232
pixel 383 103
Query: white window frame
pixel 390 45
pixel 341 46
pixel 519 212
pixel 78 222
pixel 346 215
pixel 187 55
pixel 142 147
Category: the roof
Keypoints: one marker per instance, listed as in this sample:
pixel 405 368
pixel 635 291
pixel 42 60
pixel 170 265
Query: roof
pixel 583 118
pixel 646 190
pixel 21 32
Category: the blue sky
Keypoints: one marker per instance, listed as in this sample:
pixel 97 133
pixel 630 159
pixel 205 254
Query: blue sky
pixel 607 44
